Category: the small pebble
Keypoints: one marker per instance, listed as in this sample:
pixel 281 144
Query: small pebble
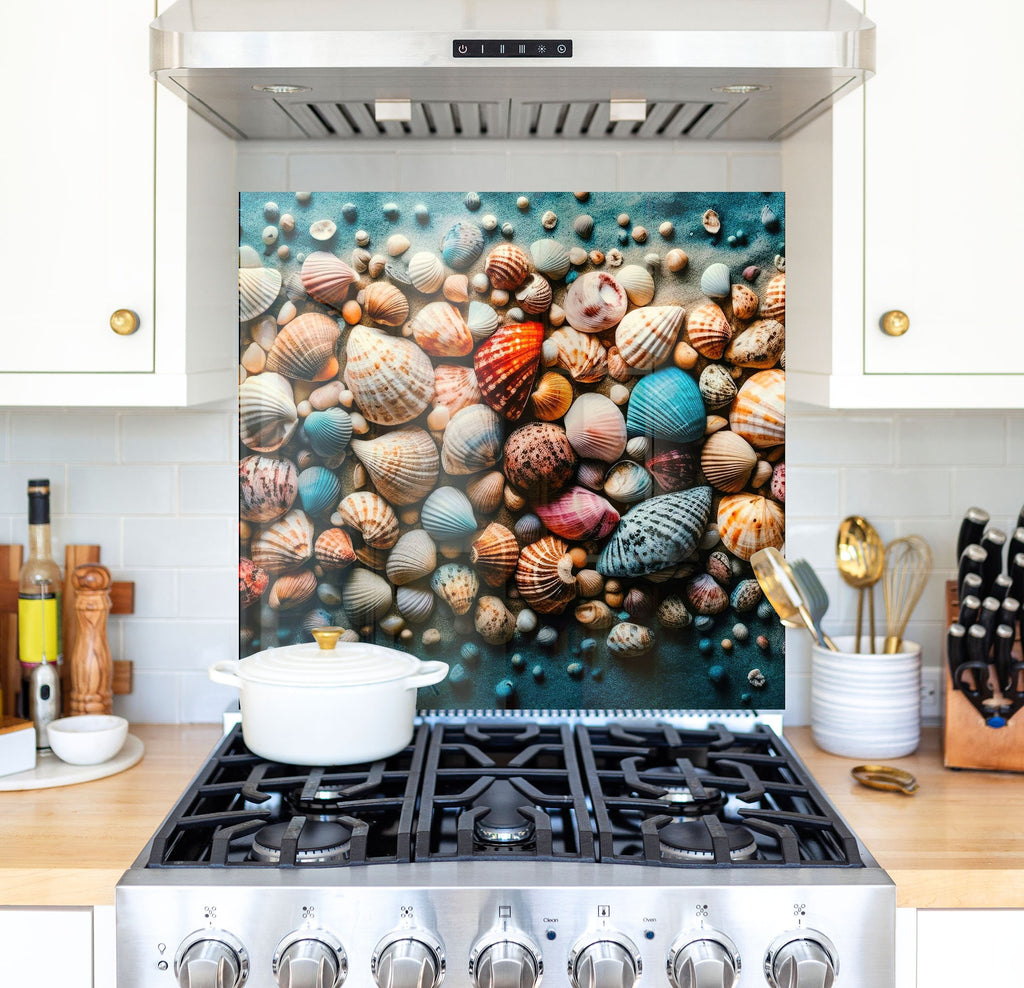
pixel 480 283
pixel 705 645
pixel 499 297
pixel 597 674
pixel 750 272
pixel 756 678
pixel 390 211
pixel 438 419
pixel 523 202
pixel 392 624
pixel 303 198
pixel 504 689
pixel 538 673
pixel 472 201
pixel 596 257
pixel 740 632
pixel 578 555
pixel 526 621
pixel 582 196
pixel 549 220
pixel 410 516
pixel 346 398
pixel 623 219
pixel 517 661
pixel 703 622
pixel 351 312
pixel 667 229
pixel 271 212
pixel 284 252
pixel 422 214
pixel 269 235
pixel 489 222
pixel 577 256
pixel 639 234
pixel 571 277
pixel 587 646
pixel 359 424
pixel 619 393
pixel 575 669
pixel 362 238
pixel 676 260
pixel 286 313
pixel 397 244
pixel 717 674
pixel 762 643
pixel 623 237
pixel 652 260
pixel 726 644
pixel 745 698
pixel 508 230
pixel 463 624
pixel 431 637
pixel 406 635
pixel 287 224
pixel 350 212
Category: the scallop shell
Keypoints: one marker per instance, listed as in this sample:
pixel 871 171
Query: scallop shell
pixel 285 544
pixel 266 412
pixel 657 533
pixel 403 464
pixel 583 225
pixel 580 354
pixel 457 585
pixel 628 641
pixel 760 345
pixel 675 469
pixel 704 594
pixel 595 428
pixel 328 431
pixel 552 397
pixel 758 412
pixel 267 486
pixel 594 614
pixel 744 302
pixel 440 329
pixel 749 522
pixel 494 553
pixel 472 440
pixel 456 288
pixel 292 590
pixel 638 283
pixel 391 379
pixel 528 528
pixel 589 582
pixel 628 482
pixel 774 304
pixel 544 575
pixel 482 320
pixel 412 557
pixel 485 492
pixel 252 581
pixel 716 281
pixel 646 336
pixel 594 302
pixel 506 365
pixel 673 613
pixel 590 473
pixel 727 460
pixel 539 459
pixel 415 603
pixel 319 490
pixel 717 386
pixel 550 258
pixel 426 272
pixel 534 295
pixel 745 596
pixel 366 596
pixel 462 245
pixel 372 517
pixel 304 346
pixel 327 278
pixel 385 303
pixel 258 288
pixel 708 331
pixel 333 549
pixel 447 515
pixel 494 622
pixel 579 514
pixel 507 266
pixel 667 405
pixel 455 387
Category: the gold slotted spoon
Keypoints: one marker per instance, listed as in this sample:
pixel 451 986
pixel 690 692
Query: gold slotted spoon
pixel 860 559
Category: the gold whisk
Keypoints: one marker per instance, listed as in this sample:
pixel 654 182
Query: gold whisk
pixel 908 564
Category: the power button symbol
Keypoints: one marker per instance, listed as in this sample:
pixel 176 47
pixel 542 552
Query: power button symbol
pixel 463 49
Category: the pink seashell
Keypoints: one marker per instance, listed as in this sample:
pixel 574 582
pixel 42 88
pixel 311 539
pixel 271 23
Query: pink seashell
pixel 578 514
pixel 705 595
pixel 595 428
pixel 595 302
pixel 327 278
pixel 455 387
pixel 440 330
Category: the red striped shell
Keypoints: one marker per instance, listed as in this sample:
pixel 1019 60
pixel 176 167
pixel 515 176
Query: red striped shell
pixel 507 266
pixel 506 364
pixel 333 549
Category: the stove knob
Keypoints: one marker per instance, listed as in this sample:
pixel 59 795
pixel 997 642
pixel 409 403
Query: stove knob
pixel 211 959
pixel 609 962
pixel 506 963
pixel 709 960
pixel 408 961
pixel 801 959
pixel 313 959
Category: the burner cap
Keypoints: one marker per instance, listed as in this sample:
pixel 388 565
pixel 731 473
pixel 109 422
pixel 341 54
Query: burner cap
pixel 682 801
pixel 503 823
pixel 318 842
pixel 691 841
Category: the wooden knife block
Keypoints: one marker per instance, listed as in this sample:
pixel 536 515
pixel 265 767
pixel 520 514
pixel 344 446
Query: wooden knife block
pixel 967 741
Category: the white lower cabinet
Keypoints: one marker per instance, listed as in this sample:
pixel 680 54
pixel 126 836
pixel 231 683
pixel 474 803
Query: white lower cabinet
pixel 47 946
pixel 969 947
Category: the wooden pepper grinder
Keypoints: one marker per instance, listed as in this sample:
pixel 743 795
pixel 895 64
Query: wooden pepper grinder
pixel 92 670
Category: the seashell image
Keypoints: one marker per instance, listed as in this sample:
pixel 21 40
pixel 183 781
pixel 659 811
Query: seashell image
pixel 749 522
pixel 672 613
pixel 628 482
pixel 456 288
pixel 528 528
pixel 778 482
pixel 403 464
pixel 646 336
pixel 659 532
pixel 539 459
pixel 667 405
pixel 486 491
pixel 708 331
pixel 304 346
pixel 727 460
pixel 366 596
pixel 580 354
pixel 544 575
pixel 462 245
pixel 252 581
pixel 328 431
pixel 385 303
pixel 267 487
pixel 472 440
pixel 638 283
pixel 494 553
pixel 507 266
pixel 534 295
pixel 319 490
pixel 447 515
pixel 482 320
pixel 760 345
pixel 391 379
pixel 333 549
pixel 426 272
pixel 412 557
pixel 716 281
pixel 493 621
pixel 506 365
pixel 550 258
pixel 372 517
pixel 629 641
pixel 552 397
pixel 285 544
pixel 744 302
pixel 455 387
pixel 595 428
pixel 774 304
pixel 758 412
pixel 746 595
pixel 327 278
pixel 258 288
pixel 595 614
pixel 292 590
pixel 590 473
pixel 711 222
pixel 704 595
pixel 456 585
pixel 584 226
pixel 589 582
pixel 266 412
pixel 440 330
pixel 578 514
pixel 719 566
pixel 594 302
pixel 415 603
pixel 717 386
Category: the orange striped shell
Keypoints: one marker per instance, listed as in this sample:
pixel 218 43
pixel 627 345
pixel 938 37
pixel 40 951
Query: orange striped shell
pixel 758 412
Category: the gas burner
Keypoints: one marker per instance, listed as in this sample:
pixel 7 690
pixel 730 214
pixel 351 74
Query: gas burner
pixel 691 841
pixel 318 843
pixel 502 824
pixel 681 801
pixel 326 803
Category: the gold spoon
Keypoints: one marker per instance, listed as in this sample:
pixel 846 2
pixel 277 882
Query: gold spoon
pixel 860 559
pixel 783 592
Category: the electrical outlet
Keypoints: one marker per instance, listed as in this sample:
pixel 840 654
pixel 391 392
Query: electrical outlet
pixel 931 694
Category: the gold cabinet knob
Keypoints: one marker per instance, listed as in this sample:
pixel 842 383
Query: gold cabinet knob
pixel 124 322
pixel 895 322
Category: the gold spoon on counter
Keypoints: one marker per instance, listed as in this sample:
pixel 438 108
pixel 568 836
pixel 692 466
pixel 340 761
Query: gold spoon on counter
pixel 860 559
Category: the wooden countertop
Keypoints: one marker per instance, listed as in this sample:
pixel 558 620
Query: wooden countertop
pixel 958 843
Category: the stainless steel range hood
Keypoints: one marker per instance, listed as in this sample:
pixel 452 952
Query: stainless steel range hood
pixel 668 69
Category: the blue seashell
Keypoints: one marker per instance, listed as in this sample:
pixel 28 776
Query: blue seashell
pixel 623 237
pixel 422 214
pixel 715 282
pixel 350 212
pixel 571 277
pixel 390 210
pixel 319 490
pixel 328 431
pixel 462 245
pixel 504 690
pixel 667 405
pixel 447 515
pixel 472 201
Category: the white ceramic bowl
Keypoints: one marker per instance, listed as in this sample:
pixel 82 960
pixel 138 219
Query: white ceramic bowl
pixel 88 739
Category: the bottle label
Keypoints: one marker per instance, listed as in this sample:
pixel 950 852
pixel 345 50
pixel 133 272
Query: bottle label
pixel 38 629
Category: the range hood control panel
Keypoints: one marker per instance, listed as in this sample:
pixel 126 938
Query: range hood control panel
pixel 512 48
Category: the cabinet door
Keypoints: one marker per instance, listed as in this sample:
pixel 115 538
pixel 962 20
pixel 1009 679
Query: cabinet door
pixel 78 196
pixel 42 946
pixel 943 213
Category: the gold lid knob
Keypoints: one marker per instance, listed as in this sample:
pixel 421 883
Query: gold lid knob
pixel 895 322
pixel 124 322
pixel 327 638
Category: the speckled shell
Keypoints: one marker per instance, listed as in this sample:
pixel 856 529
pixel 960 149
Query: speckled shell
pixel 760 345
pixel 333 549
pixel 412 557
pixel 539 459
pixel 749 522
pixel 657 533
pixel 328 431
pixel 727 460
pixel 628 641
pixel 507 266
pixel 266 412
pixel 456 585
pixel 715 282
pixel 578 514
pixel 774 304
pixel 638 283
pixel 705 595
pixel 258 289
pixel 391 378
pixel 372 517
pixel 717 386
pixel 482 320
pixel 494 622
pixel 581 355
pixel 628 482
pixel 534 295
pixel 366 596
pixel 403 464
pixel 440 330
pixel 415 603
pixel 673 613
pixel 708 331
pixel 303 346
pixel 595 428
pixel 292 589
pixel 745 596
pixel 485 492
pixel 552 397
pixel 595 614
pixel 284 544
pixel 667 405
pixel 594 302
pixel 472 440
pixel 550 258
pixel 267 487
pixel 462 245
pixel 506 365
pixel 385 303
pixel 455 387
pixel 319 490
pixel 758 412
pixel 494 553
pixel 426 272
pixel 744 302
pixel 778 482
pixel 544 575
pixel 252 581
pixel 447 515
pixel 645 336
pixel 327 278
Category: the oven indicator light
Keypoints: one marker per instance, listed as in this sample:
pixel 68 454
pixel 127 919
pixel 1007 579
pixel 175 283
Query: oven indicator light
pixel 649 934
pixel 551 934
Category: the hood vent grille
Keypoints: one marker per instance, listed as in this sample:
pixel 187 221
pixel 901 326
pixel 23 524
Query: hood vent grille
pixel 433 119
pixel 583 119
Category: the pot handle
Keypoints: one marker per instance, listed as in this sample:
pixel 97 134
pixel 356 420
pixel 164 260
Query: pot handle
pixel 224 673
pixel 429 673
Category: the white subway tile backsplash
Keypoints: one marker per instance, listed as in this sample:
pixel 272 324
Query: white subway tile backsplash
pixel 122 490
pixel 575 167
pixel 671 172
pixel 926 440
pixel 203 701
pixel 811 492
pixel 154 699
pixel 101 530
pixel 209 490
pixel 72 436
pixel 209 593
pixel 446 172
pixel 156 591
pixel 362 171
pixel 180 542
pixel 897 493
pixel 175 437
pixel 14 478
pixel 835 439
pixel 179 645
pixel 999 490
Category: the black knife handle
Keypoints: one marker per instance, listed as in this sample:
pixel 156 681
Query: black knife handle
pixel 1004 644
pixel 973 524
pixel 956 650
pixel 1015 545
pixel 993 542
pixel 970 608
pixel 988 619
pixel 1017 576
pixel 972 560
pixel 1010 611
pixel 977 644
pixel 972 586
pixel 1000 586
